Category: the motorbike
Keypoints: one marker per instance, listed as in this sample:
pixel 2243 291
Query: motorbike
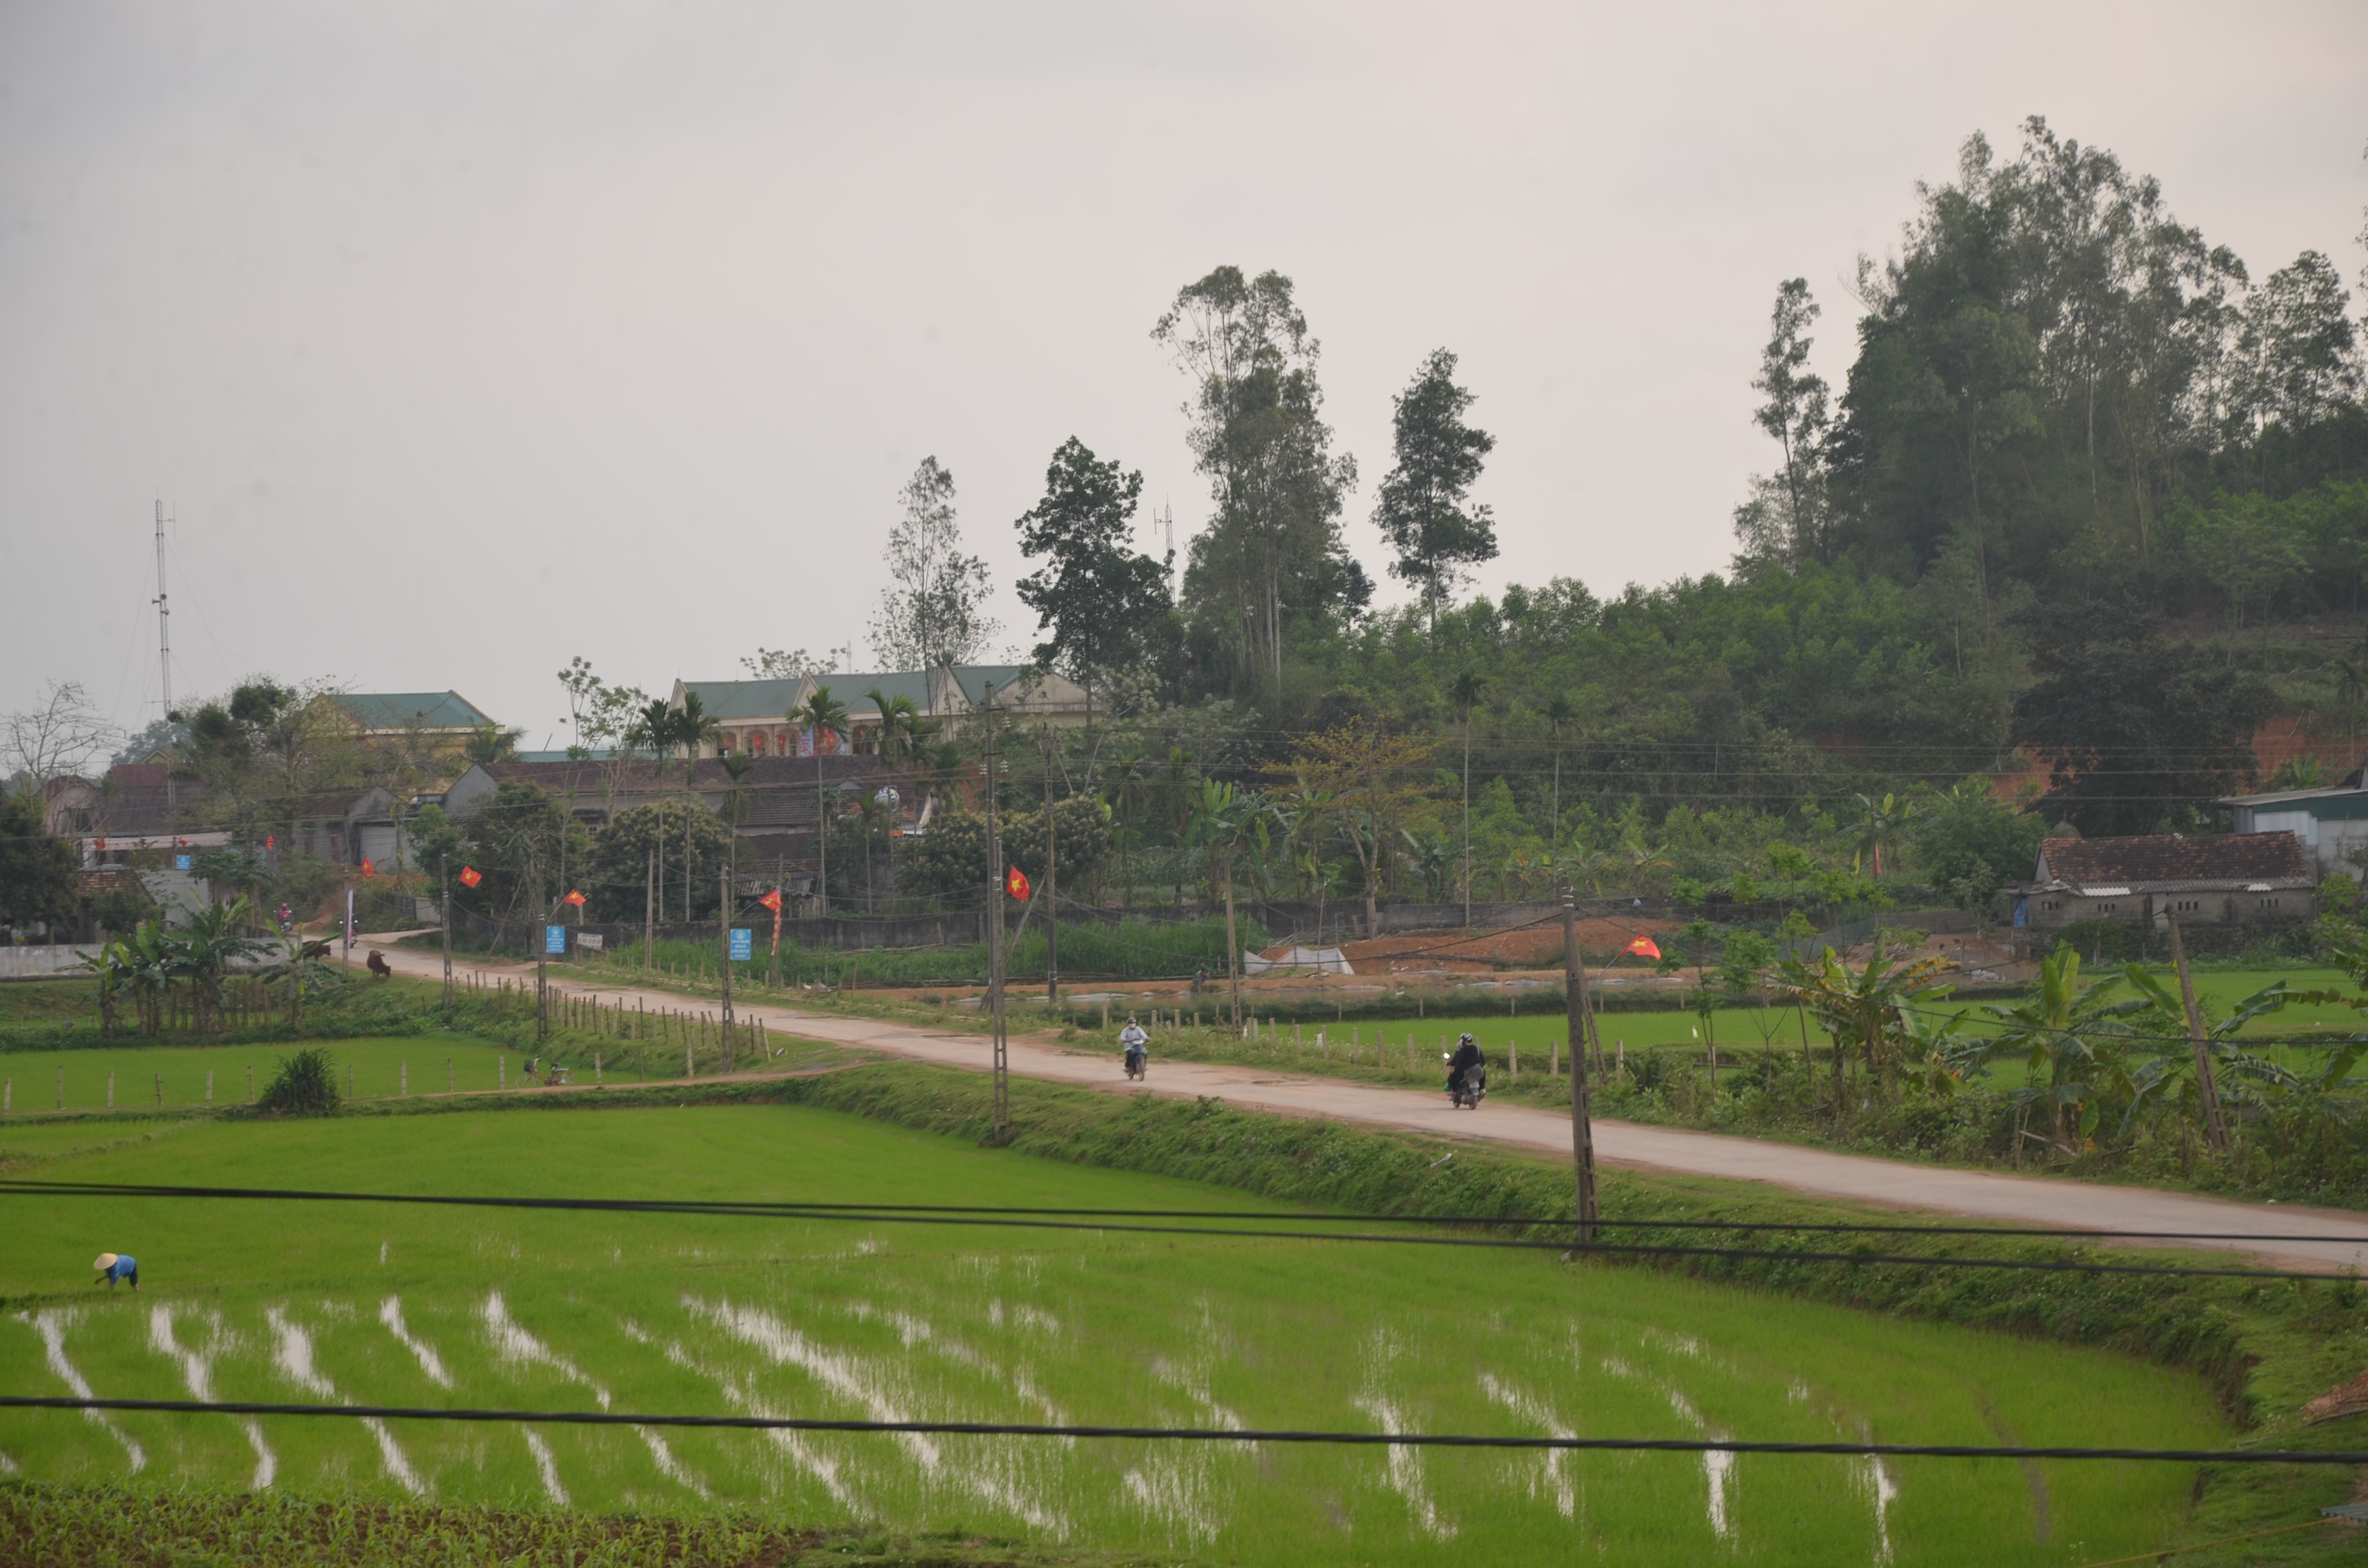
pixel 1134 1061
pixel 1467 1089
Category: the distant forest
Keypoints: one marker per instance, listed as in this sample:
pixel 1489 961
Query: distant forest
pixel 2093 490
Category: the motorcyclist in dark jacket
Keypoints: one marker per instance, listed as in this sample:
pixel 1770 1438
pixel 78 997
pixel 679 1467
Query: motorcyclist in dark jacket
pixel 1467 1056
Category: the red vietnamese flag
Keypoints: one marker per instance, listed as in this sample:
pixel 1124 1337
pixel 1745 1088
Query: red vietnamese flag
pixel 470 876
pixel 574 898
pixel 1016 884
pixel 271 841
pixel 1643 948
pixel 368 870
pixel 772 901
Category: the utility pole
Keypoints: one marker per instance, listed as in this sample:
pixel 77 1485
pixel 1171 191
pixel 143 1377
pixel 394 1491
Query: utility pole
pixel 1052 880
pixel 2215 1125
pixel 650 902
pixel 444 877
pixel 723 920
pixel 1582 1127
pixel 1002 1070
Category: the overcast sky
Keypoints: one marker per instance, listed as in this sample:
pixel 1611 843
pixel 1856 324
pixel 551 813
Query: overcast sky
pixel 463 338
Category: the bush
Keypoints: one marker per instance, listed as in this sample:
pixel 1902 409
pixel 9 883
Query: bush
pixel 306 1085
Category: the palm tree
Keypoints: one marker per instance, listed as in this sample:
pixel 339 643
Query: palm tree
pixel 1464 695
pixel 489 742
pixel 1130 788
pixel 824 715
pixel 694 727
pixel 874 814
pixel 902 729
pixel 1558 712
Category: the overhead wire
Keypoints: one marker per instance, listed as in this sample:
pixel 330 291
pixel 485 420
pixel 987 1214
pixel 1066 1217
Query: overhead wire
pixel 1265 1232
pixel 1186 1434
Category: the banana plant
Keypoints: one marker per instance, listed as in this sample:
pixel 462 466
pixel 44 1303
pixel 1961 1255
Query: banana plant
pixel 2169 1077
pixel 2073 1040
pixel 1883 1011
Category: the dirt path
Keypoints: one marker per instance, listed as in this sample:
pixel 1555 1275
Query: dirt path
pixel 1898 1184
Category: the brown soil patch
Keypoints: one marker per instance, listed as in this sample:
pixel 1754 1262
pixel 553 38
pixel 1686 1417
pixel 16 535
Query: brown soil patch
pixel 2335 1404
pixel 1523 946
pixel 1958 950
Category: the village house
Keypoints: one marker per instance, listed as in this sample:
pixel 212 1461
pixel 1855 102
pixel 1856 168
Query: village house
pixel 751 715
pixel 777 825
pixel 2148 882
pixel 430 724
pixel 2331 822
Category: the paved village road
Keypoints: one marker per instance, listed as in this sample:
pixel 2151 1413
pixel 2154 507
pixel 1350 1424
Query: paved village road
pixel 1898 1184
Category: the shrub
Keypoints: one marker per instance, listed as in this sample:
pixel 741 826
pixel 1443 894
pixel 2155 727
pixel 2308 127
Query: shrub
pixel 306 1085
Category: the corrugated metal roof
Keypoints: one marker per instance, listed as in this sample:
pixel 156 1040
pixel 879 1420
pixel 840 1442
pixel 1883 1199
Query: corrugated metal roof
pixel 426 710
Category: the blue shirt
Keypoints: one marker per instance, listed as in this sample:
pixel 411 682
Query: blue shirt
pixel 126 1268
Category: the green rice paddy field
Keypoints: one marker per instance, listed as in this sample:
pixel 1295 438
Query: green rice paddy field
pixel 328 1303
pixel 435 1062
pixel 1534 1022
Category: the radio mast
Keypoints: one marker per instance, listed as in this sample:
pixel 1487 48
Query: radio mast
pixel 164 617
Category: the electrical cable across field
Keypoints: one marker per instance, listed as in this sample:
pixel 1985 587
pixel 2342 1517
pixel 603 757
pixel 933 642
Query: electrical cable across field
pixel 1188 1434
pixel 887 1215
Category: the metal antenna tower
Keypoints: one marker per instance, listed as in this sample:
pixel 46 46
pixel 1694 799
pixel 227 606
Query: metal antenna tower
pixel 164 617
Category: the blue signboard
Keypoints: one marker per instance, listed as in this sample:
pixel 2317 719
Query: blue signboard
pixel 180 862
pixel 554 940
pixel 742 948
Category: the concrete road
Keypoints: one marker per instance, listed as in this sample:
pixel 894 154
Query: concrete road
pixel 2250 1228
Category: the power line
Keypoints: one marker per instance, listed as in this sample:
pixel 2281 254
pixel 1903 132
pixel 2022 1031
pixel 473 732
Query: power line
pixel 1186 1433
pixel 794 1206
pixel 883 1216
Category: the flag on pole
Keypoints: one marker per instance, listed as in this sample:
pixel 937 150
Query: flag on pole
pixel 1643 948
pixel 772 901
pixel 470 876
pixel 1016 884
pixel 574 898
pixel 368 870
pixel 271 841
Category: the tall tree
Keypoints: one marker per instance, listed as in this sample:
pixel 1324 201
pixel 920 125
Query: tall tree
pixel 1783 522
pixel 1271 552
pixel 2140 732
pixel 37 868
pixel 1423 510
pixel 933 611
pixel 2298 349
pixel 1101 599
pixel 62 736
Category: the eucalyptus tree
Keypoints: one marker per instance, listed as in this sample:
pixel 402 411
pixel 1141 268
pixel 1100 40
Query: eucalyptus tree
pixel 1424 509
pixel 1272 551
pixel 933 611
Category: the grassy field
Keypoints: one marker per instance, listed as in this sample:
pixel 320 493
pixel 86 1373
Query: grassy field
pixel 643 1313
pixel 435 1063
pixel 1381 1048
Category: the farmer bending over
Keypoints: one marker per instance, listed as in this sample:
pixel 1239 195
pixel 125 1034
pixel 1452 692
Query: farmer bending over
pixel 113 1266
